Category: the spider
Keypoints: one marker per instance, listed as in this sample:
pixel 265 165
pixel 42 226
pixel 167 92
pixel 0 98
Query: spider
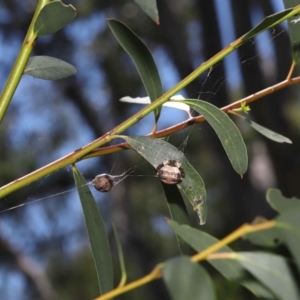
pixel 170 171
pixel 103 183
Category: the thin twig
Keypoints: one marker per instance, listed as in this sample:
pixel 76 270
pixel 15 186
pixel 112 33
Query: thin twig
pixel 170 130
pixel 82 152
pixel 157 271
pixel 20 63
pixel 155 274
pixel 291 71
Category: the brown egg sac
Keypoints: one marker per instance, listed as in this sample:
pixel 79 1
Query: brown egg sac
pixel 103 183
pixel 170 172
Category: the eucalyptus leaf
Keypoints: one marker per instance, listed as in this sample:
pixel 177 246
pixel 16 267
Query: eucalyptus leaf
pixel 267 22
pixel 155 151
pixel 288 228
pixel 142 58
pixel 187 280
pixel 49 68
pixel 174 103
pixel 263 238
pixel 280 203
pixel 177 212
pixel 227 132
pixel 258 289
pixel 231 269
pixel 276 137
pixel 294 29
pixel 97 234
pixel 273 271
pixel 54 16
pixel 150 8
pixel 121 257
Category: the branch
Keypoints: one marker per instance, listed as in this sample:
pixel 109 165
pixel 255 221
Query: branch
pixel 20 63
pixel 156 273
pixel 168 131
pixel 84 151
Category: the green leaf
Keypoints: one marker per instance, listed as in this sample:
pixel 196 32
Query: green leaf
pixel 267 22
pixel 227 132
pixel 285 229
pixel 263 238
pixel 53 17
pixel 230 269
pixel 288 228
pixel 142 58
pixel 121 257
pixel 259 290
pixel 281 203
pixel 276 137
pixel 150 8
pixel 187 280
pixel 174 104
pixel 294 30
pixel 177 211
pixel 49 68
pixel 155 151
pixel 97 234
pixel 273 271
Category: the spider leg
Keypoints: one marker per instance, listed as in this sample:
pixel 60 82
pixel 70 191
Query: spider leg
pixel 119 178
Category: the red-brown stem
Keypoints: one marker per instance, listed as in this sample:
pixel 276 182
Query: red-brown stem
pixel 198 119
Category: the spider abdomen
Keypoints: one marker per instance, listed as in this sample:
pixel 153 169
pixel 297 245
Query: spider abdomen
pixel 170 172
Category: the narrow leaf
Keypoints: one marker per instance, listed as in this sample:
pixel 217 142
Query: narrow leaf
pixel 294 30
pixel 49 68
pixel 150 8
pixel 142 58
pixel 258 289
pixel 200 241
pixel 232 270
pixel 174 103
pixel 263 238
pixel 276 137
pixel 97 234
pixel 267 22
pixel 227 132
pixel 53 17
pixel 288 228
pixel 178 212
pixel 280 203
pixel 121 257
pixel 187 280
pixel 273 271
pixel 155 151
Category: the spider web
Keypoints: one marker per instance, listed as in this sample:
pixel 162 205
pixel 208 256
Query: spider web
pixel 61 205
pixel 203 93
pixel 50 208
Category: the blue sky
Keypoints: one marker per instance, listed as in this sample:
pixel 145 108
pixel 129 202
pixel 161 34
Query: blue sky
pixel 28 122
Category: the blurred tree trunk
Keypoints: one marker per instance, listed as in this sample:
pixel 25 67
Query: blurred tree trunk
pixel 253 81
pixel 270 111
pixel 121 79
pixel 285 157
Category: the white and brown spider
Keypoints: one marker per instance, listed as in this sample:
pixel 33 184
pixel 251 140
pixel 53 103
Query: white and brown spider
pixel 170 171
pixel 105 182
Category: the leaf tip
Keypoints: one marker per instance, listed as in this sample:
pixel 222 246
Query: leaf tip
pixel 288 141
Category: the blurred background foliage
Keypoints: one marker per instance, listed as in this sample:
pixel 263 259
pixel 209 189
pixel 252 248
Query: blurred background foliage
pixel 44 251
